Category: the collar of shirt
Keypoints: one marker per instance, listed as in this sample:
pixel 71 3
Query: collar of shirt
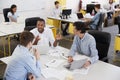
pixel 84 37
pixel 24 50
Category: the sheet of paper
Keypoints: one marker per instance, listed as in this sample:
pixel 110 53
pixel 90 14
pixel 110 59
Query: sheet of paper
pixel 54 63
pixel 53 73
pixel 83 71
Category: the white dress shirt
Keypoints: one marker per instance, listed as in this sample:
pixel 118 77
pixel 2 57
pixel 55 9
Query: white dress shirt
pixel 15 16
pixel 45 37
pixel 56 12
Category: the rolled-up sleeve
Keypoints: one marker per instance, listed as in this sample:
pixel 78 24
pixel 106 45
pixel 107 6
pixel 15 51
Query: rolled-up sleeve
pixel 94 52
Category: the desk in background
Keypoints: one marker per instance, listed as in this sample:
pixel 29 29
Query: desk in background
pixel 3 36
pixel 57 22
pixel 8 29
pixel 97 71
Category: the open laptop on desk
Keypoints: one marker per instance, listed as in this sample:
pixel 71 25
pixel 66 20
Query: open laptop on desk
pixel 80 15
pixel 42 49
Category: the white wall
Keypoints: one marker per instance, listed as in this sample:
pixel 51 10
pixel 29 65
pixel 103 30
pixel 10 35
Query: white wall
pixel 74 3
pixel 41 8
pixel 29 8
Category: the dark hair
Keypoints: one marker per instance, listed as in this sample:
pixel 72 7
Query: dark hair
pixel 26 37
pixel 97 6
pixel 56 2
pixel 80 26
pixel 41 20
pixel 12 6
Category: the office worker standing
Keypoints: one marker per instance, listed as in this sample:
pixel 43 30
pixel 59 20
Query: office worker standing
pixel 57 12
pixel 111 5
pixel 22 60
pixel 12 15
pixel 44 35
pixel 84 44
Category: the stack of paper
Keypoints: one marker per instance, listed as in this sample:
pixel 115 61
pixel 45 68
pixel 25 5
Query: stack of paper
pixel 53 73
pixel 54 63
pixel 83 71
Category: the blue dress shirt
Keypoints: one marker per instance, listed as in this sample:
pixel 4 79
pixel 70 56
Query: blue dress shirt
pixel 85 46
pixel 95 20
pixel 21 63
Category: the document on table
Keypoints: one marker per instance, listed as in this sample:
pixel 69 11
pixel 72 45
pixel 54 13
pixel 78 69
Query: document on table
pixel 54 63
pixel 83 71
pixel 54 73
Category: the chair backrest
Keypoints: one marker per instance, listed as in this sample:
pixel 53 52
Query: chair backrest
pixel 101 20
pixel 30 23
pixel 5 13
pixel 103 40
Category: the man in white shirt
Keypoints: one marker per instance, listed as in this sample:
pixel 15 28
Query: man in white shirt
pixel 12 15
pixel 44 35
pixel 57 11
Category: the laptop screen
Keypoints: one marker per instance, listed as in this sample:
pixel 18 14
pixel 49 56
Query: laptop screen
pixel 80 15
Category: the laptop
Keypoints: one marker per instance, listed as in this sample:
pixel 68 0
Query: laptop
pixel 42 49
pixel 80 15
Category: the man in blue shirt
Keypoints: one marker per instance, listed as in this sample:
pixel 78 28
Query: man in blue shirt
pixel 95 20
pixel 23 62
pixel 84 44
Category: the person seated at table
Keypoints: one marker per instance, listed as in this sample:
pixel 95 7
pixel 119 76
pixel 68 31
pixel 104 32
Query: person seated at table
pixel 44 35
pixel 22 60
pixel 12 15
pixel 84 44
pixel 110 7
pixel 95 20
pixel 57 12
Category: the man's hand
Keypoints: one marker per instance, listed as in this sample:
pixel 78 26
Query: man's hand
pixel 36 40
pixel 58 37
pixel 36 54
pixel 70 59
pixel 88 63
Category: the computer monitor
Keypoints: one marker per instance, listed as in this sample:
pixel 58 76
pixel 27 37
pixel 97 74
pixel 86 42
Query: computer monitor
pixel 66 12
pixel 80 15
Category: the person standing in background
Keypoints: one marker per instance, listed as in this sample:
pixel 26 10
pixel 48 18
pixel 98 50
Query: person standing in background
pixel 12 15
pixel 57 12
pixel 111 5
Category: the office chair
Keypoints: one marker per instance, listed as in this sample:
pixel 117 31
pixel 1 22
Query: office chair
pixel 5 13
pixel 30 23
pixel 103 40
pixel 101 22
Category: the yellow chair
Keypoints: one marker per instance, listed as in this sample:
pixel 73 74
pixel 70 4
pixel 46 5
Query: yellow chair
pixel 116 48
pixel 70 29
pixel 83 11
